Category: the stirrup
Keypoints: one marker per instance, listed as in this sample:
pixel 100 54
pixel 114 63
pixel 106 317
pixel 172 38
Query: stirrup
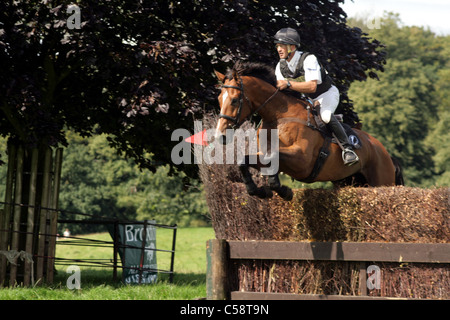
pixel 351 161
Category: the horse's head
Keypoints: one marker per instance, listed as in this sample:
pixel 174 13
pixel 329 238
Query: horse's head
pixel 235 107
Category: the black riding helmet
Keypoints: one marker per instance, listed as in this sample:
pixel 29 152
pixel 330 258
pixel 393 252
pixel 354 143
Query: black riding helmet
pixel 287 36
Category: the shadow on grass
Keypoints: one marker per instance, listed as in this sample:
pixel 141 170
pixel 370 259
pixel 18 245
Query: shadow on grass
pixel 100 277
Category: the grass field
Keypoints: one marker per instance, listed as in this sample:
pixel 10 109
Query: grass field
pixel 97 283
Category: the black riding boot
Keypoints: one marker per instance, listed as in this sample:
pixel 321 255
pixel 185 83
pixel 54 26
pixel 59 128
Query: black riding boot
pixel 348 155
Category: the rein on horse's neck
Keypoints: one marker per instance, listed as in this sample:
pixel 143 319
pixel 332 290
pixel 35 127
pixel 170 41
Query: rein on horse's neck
pixel 278 107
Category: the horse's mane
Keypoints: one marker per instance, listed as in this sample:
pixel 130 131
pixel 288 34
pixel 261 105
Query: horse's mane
pixel 253 69
pixel 261 71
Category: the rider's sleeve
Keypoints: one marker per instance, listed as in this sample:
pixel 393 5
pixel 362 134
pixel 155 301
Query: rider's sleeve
pixel 278 72
pixel 312 69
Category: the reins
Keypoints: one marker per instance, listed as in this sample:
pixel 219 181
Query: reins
pixel 235 120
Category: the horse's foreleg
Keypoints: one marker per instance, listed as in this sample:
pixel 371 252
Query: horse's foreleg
pixel 263 192
pixel 252 188
pixel 285 155
pixel 283 191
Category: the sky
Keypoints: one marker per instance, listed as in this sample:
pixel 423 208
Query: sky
pixel 434 14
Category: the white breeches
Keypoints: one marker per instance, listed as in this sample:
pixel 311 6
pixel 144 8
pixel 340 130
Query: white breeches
pixel 328 103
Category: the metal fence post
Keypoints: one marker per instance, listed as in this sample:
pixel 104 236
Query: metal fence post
pixel 172 259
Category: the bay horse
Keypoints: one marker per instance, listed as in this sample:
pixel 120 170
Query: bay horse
pixel 251 87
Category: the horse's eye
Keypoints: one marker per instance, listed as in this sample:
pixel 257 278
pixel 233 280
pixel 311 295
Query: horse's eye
pixel 234 101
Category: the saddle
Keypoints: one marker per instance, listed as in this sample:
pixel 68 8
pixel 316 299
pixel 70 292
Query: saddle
pixel 321 126
pixel 327 133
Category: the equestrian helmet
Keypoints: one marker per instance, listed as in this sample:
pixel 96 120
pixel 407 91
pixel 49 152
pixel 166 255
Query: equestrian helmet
pixel 287 36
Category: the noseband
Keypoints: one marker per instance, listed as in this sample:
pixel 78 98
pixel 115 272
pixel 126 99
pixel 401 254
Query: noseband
pixel 235 120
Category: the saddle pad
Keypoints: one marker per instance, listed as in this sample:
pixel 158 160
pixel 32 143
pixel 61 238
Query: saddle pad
pixel 352 136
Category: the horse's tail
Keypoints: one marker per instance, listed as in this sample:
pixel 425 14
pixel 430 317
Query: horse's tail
pixel 398 172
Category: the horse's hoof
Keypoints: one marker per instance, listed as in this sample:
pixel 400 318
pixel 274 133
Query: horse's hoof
pixel 264 193
pixel 252 189
pixel 286 193
pixel 269 193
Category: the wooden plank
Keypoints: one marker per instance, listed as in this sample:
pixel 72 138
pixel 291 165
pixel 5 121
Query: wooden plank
pixel 243 295
pixel 341 251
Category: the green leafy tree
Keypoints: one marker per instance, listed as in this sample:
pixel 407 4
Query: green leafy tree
pixel 98 182
pixel 404 106
pixel 439 137
pixel 169 200
pixel 393 108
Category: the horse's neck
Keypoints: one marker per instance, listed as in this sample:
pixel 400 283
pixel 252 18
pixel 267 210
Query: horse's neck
pixel 279 106
pixel 283 106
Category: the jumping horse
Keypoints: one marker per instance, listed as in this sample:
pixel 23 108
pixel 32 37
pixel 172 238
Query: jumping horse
pixel 250 88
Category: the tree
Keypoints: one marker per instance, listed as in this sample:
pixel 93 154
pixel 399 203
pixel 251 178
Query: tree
pixel 139 70
pixel 393 108
pixel 439 137
pixel 405 109
pixel 97 182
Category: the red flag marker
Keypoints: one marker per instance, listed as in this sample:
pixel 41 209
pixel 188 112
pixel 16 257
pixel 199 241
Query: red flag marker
pixel 198 138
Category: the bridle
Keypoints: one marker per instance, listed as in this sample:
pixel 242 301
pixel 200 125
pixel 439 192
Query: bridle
pixel 235 120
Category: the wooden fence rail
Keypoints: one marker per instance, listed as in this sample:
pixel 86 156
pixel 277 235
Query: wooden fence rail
pixel 220 253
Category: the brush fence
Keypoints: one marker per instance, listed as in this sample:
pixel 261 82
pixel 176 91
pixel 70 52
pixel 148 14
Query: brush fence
pixel 350 243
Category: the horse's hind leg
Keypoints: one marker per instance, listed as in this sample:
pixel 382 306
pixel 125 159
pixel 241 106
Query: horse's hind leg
pixel 283 191
pixel 382 175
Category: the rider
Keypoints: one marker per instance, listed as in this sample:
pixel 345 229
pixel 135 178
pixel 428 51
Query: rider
pixel 302 72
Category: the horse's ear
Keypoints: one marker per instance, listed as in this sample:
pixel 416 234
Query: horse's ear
pixel 235 74
pixel 219 76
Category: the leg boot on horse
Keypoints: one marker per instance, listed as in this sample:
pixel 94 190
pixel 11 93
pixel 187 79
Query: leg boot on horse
pixel 252 188
pixel 283 191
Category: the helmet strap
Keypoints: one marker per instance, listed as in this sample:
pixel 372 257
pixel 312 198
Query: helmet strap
pixel 289 51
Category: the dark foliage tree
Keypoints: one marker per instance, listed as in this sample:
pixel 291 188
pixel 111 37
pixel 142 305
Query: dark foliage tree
pixel 137 70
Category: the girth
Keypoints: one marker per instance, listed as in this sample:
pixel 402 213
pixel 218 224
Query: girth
pixel 324 151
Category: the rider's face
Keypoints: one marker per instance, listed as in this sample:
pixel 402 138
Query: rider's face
pixel 283 50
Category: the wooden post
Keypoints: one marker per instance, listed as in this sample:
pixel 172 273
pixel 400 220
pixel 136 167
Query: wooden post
pixel 216 270
pixel 362 279
pixel 53 204
pixel 6 216
pixel 30 217
pixel 17 211
pixel 43 216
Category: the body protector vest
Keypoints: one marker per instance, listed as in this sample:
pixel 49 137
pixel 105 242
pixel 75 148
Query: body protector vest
pixel 299 75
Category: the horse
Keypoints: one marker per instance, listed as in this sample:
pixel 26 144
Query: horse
pixel 250 87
